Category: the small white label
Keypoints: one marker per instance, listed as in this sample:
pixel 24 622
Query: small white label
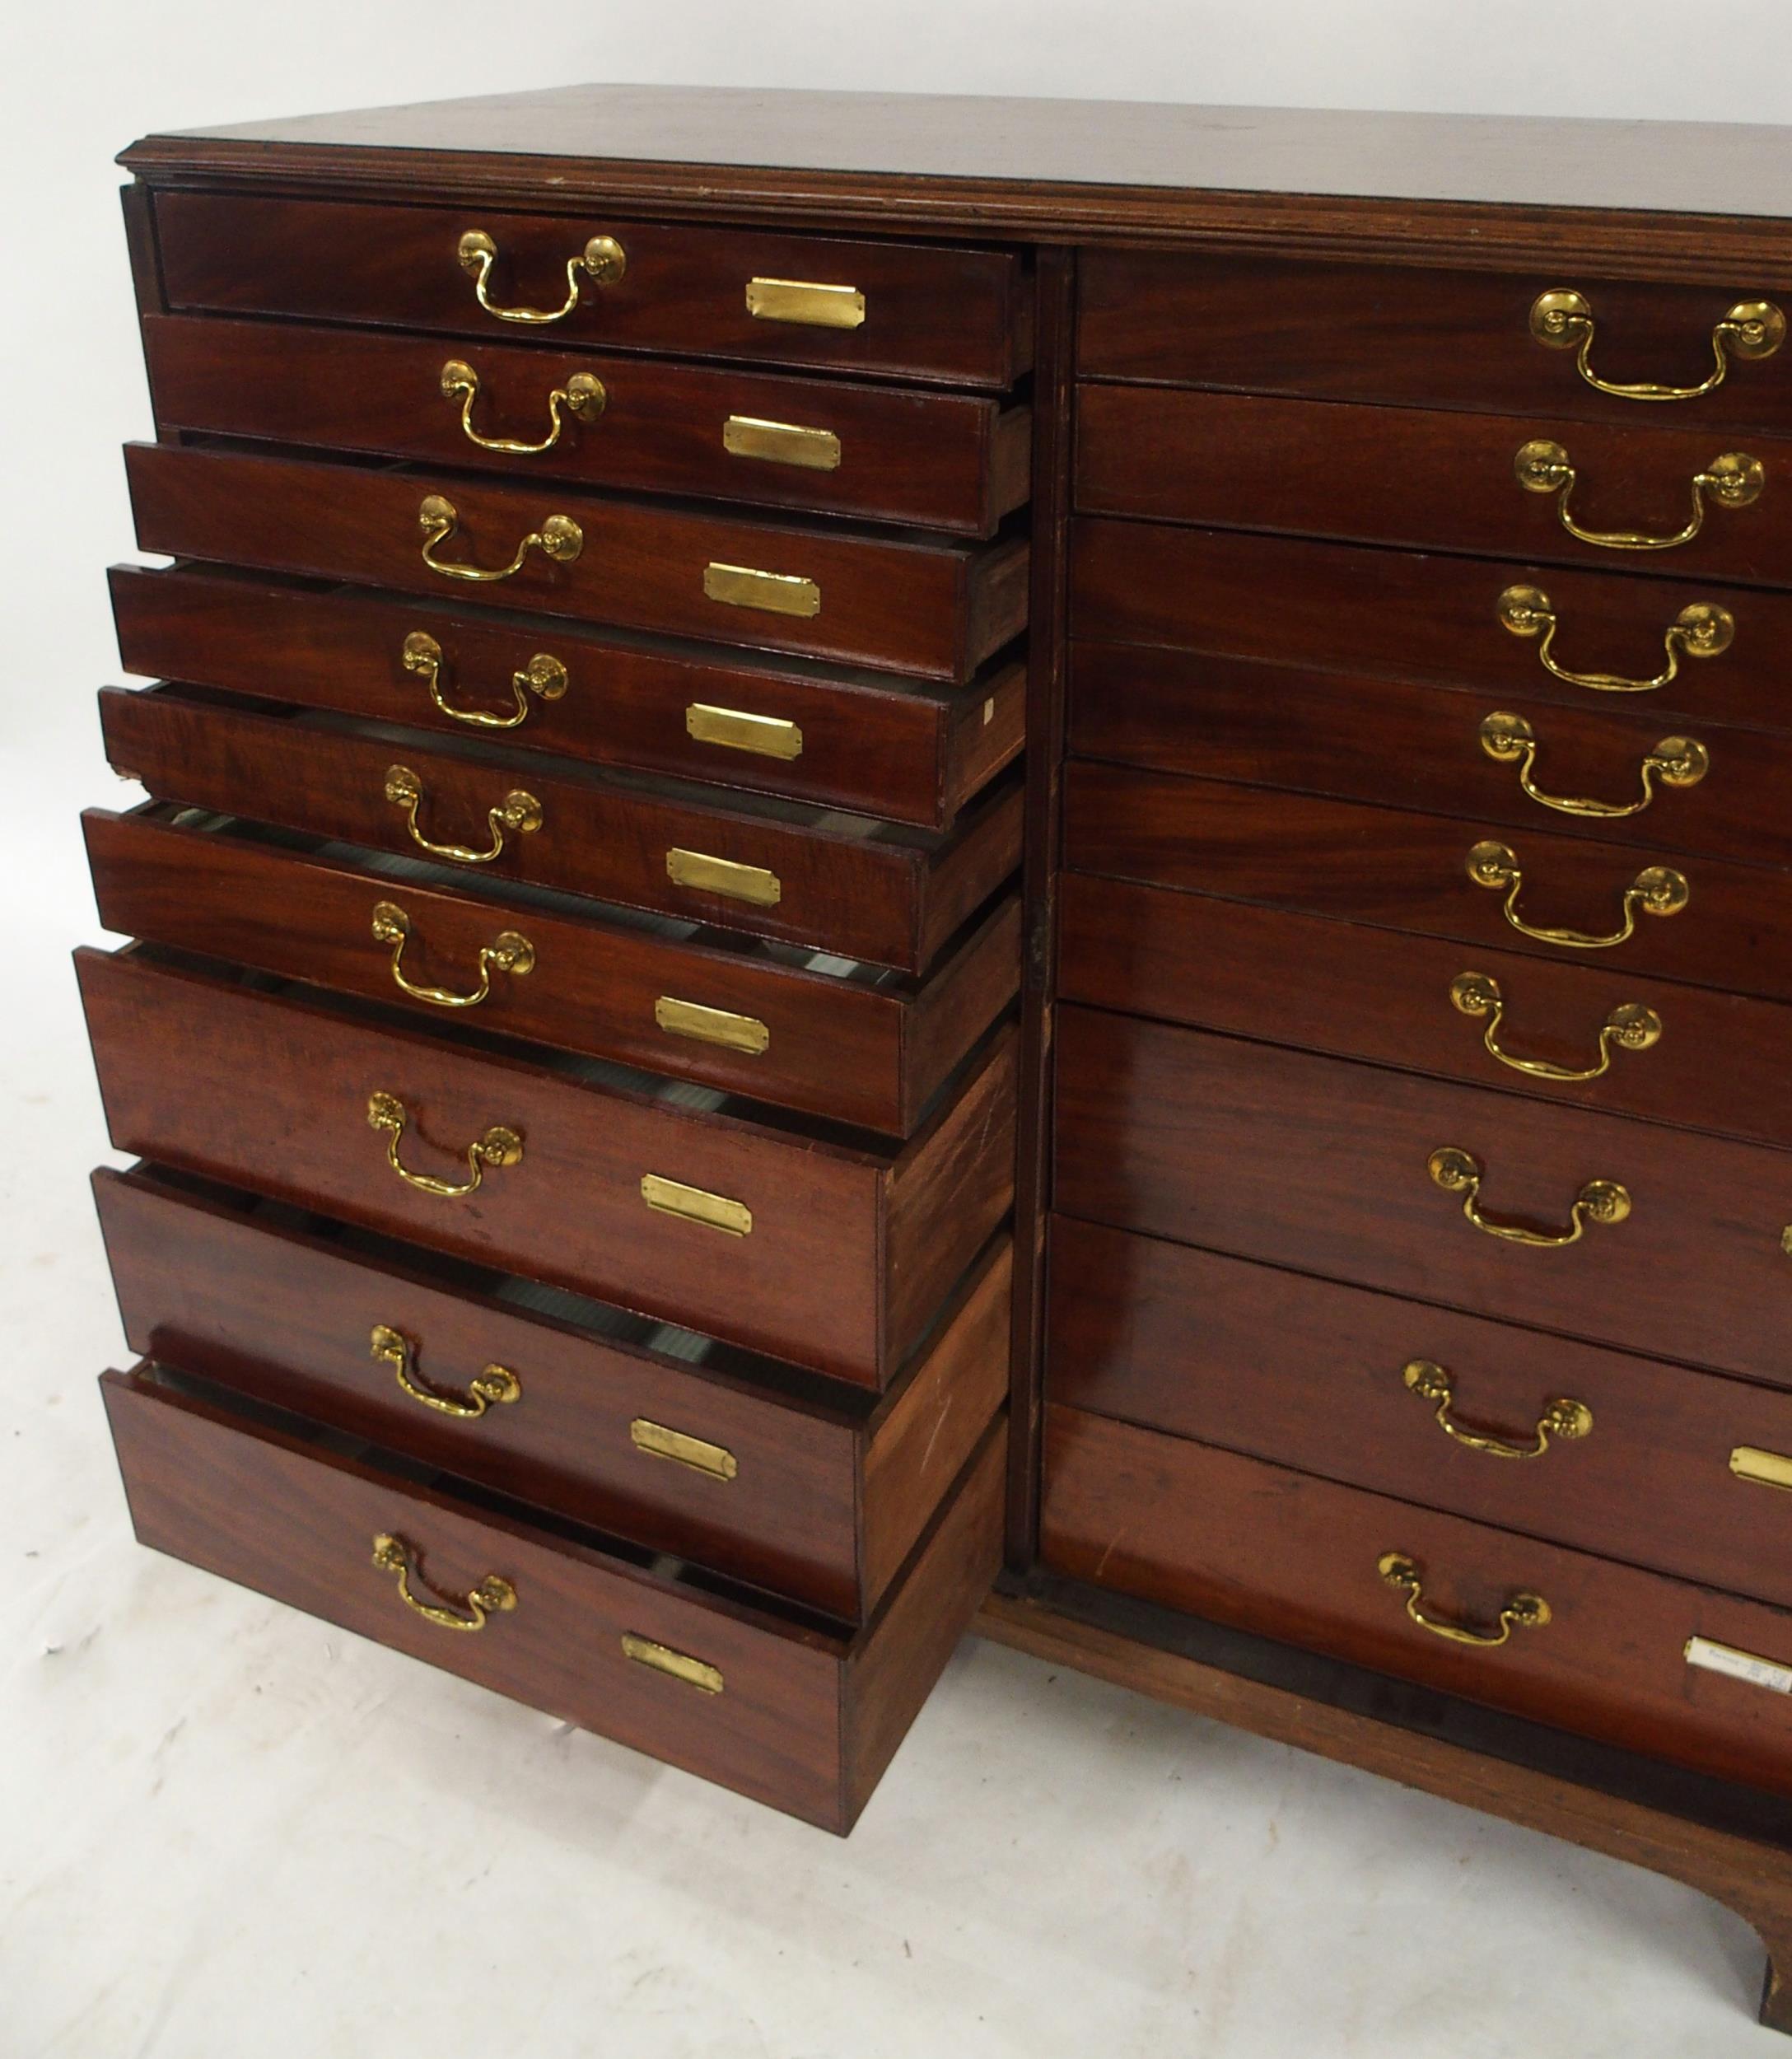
pixel 1739 1665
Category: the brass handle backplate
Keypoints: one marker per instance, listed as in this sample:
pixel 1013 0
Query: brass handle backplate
pixel 582 396
pixel 498 1146
pixel 1460 1172
pixel 495 1384
pixel 602 261
pixel 1522 1611
pixel 1657 889
pixel 493 1595
pixel 517 812
pixel 1701 630
pixel 1562 320
pixel 559 538
pixel 1732 480
pixel 1565 1419
pixel 1630 1026
pixel 510 951
pixel 1675 761
pixel 545 676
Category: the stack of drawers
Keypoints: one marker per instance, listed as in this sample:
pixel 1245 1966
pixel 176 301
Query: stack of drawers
pixel 1420 1287
pixel 570 1036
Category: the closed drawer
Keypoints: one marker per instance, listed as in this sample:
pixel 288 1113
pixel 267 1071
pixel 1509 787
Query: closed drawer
pixel 791 1713
pixel 666 1438
pixel 1448 482
pixel 1618 770
pixel 1632 1459
pixel 1301 1560
pixel 1699 920
pixel 1579 1033
pixel 1433 339
pixel 947 461
pixel 863 597
pixel 790 1239
pixel 1713 651
pixel 845 1040
pixel 773 869
pixel 1333 1169
pixel 858 740
pixel 926 310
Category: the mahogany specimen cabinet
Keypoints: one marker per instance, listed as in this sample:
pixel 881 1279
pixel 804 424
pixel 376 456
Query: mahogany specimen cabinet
pixel 969 861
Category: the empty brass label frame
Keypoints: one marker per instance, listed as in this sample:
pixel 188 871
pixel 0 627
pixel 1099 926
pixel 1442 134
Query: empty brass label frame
pixel 657 1442
pixel 680 1665
pixel 749 436
pixel 695 1204
pixel 766 735
pixel 776 593
pixel 1765 1468
pixel 723 876
pixel 712 1025
pixel 802 301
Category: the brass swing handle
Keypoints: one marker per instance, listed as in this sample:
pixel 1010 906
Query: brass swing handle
pixel 1630 1026
pixel 1562 320
pixel 518 812
pixel 1564 1419
pixel 559 538
pixel 582 396
pixel 1657 889
pixel 498 1146
pixel 1734 480
pixel 496 1384
pixel 1459 1172
pixel 1675 761
pixel 1702 630
pixel 545 676
pixel 1521 1611
pixel 493 1595
pixel 602 261
pixel 509 952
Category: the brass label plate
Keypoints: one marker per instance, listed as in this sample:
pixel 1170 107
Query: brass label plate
pixel 722 875
pixel 802 301
pixel 746 436
pixel 712 1025
pixel 659 1442
pixel 1765 1468
pixel 1739 1665
pixel 776 593
pixel 695 1204
pixel 766 735
pixel 680 1665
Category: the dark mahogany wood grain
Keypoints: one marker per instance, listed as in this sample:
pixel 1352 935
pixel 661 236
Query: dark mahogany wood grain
pixel 933 608
pixel 838 1233
pixel 1308 1374
pixel 892 896
pixel 1281 1553
pixel 878 746
pixel 1426 479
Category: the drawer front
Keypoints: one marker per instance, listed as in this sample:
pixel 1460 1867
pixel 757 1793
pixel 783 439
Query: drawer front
pixel 1442 481
pixel 1404 616
pixel 1617 772
pixel 1329 1168
pixel 1435 338
pixel 1301 1560
pixel 1615 1455
pixel 894 897
pixel 753 1022
pixel 1710 923
pixel 946 461
pixel 1582 1033
pixel 927 311
pixel 937 609
pixel 854 740
pixel 769 1238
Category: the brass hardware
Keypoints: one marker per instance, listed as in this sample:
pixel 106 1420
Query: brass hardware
pixel 496 1384
pixel 559 538
pixel 1459 1172
pixel 1738 1665
pixel 1701 630
pixel 798 301
pixel 658 1442
pixel 543 676
pixel 1765 1468
pixel 493 1594
pixel 715 1212
pixel 509 951
pixel 602 260
pixel 1677 761
pixel 1657 889
pixel 582 396
pixel 1565 1419
pixel 1630 1026
pixel 1522 1611
pixel 663 1659
pixel 776 593
pixel 498 1146
pixel 745 436
pixel 1562 320
pixel 1734 480
pixel 722 875
pixel 712 1025
pixel 767 735
pixel 518 812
